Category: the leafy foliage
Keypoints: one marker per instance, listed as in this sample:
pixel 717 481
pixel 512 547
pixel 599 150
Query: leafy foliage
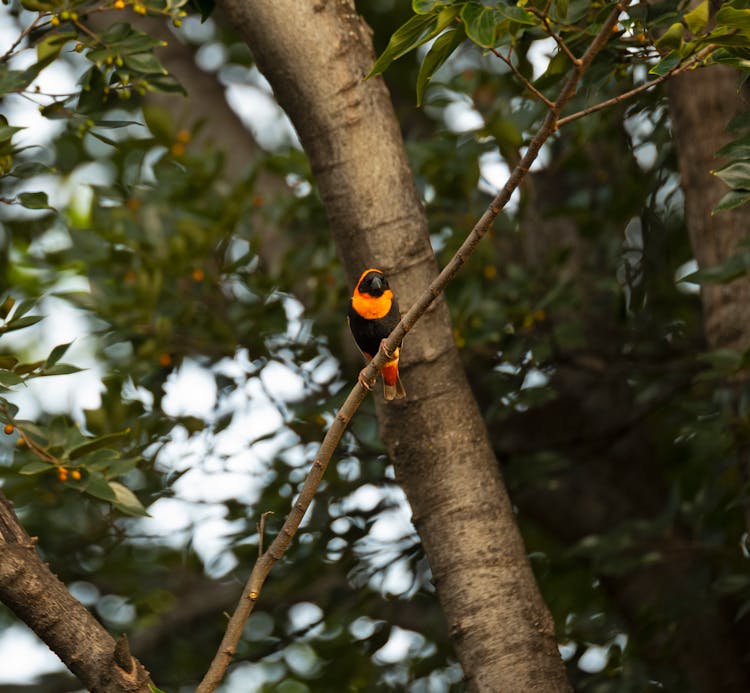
pixel 621 437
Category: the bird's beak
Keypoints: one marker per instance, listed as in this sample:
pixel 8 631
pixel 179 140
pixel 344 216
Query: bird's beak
pixel 377 283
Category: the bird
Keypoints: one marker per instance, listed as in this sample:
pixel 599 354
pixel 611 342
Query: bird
pixel 373 313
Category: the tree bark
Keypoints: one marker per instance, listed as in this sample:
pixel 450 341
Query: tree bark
pixel 315 56
pixel 696 99
pixel 37 597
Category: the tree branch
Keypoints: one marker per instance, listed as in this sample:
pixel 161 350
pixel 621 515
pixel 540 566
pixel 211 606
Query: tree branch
pixel 43 602
pixel 267 560
pixel 690 64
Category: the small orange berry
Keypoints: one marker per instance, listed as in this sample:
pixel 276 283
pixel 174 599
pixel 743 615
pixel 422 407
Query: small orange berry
pixel 62 474
pixel 21 441
pixel 9 428
pixel 178 149
pixel 55 21
pixel 183 136
pixel 75 475
pixel 198 275
pixel 119 5
pixel 165 359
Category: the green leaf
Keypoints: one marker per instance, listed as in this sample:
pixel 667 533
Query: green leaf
pixel 38 5
pixel 517 14
pixel 50 46
pixel 97 486
pixel 671 61
pixel 9 378
pixel 736 175
pixel 697 18
pixel 24 307
pixel 144 63
pixel 7 306
pixel 61 369
pixel 440 51
pixel 561 7
pixel 734 198
pixel 418 30
pixel 7 132
pixel 159 121
pixel 103 138
pixel 35 467
pixel 56 354
pixel 671 38
pixel 736 149
pixel 734 18
pixel 96 444
pixel 118 32
pixel 55 111
pixel 24 368
pixel 205 7
pixel 92 95
pixel 480 23
pixel 426 6
pixel 8 362
pixel 34 200
pixel 735 267
pixel 126 501
pixel 20 323
pixel 724 361
pixel 13 80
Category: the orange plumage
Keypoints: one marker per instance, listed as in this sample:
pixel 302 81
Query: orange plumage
pixel 373 313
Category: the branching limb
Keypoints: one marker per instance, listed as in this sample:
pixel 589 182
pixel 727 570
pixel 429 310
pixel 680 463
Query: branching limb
pixel 693 62
pixel 281 543
pixel 521 78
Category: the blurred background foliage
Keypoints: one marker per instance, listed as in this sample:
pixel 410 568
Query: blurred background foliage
pixel 205 303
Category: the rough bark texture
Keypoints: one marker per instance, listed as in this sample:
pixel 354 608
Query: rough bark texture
pixel 697 98
pixel 315 56
pixel 37 597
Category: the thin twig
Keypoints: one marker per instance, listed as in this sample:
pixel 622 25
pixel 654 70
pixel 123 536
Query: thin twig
pixel 283 539
pixel 9 53
pixel 261 527
pixel 526 83
pixel 676 70
pixel 558 39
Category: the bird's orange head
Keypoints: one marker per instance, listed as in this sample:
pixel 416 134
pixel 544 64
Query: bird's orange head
pixel 372 296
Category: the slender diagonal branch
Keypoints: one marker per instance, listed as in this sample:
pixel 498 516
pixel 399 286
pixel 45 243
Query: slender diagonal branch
pixel 521 78
pixel 281 542
pixel 693 62
pixel 32 25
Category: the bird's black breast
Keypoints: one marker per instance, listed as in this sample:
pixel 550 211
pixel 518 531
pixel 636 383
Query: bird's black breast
pixel 369 333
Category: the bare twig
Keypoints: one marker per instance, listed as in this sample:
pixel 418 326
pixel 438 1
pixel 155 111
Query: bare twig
pixel 9 53
pixel 521 78
pixel 543 16
pixel 281 543
pixel 261 526
pixel 676 70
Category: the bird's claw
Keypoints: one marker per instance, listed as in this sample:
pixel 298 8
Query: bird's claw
pixel 363 381
pixel 388 353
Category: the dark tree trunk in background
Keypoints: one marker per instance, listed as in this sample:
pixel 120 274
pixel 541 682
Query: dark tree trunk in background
pixel 702 103
pixel 316 56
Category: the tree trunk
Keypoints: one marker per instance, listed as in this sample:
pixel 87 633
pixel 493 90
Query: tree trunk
pixel 698 98
pixel 37 597
pixel 315 56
